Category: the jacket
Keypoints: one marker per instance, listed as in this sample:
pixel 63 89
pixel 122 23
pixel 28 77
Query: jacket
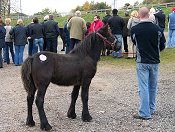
pixel 51 29
pixel 77 27
pixel 8 37
pixel 149 41
pixel 171 18
pixel 116 24
pixel 2 36
pixel 160 18
pixel 19 34
pixel 95 26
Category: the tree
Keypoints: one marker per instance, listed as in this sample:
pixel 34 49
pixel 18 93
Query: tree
pixel 86 6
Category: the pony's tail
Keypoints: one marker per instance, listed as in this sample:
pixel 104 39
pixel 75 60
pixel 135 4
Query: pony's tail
pixel 26 76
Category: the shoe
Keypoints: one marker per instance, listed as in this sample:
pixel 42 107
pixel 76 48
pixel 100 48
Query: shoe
pixel 62 50
pixel 114 54
pixel 136 116
pixel 1 66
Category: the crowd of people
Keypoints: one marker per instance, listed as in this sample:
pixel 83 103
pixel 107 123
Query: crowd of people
pixel 43 36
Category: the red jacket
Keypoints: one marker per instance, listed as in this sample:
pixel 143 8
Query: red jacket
pixel 95 26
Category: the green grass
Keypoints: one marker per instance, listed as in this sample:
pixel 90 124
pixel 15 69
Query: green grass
pixel 166 57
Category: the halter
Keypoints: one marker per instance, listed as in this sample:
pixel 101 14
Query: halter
pixel 107 41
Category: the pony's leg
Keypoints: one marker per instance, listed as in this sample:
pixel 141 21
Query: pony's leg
pixel 71 112
pixel 39 103
pixel 30 122
pixel 84 96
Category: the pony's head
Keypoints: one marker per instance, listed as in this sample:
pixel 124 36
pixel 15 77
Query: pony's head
pixel 108 38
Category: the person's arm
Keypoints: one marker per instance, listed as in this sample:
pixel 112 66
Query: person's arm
pixel 162 42
pixel 57 29
pixel 133 36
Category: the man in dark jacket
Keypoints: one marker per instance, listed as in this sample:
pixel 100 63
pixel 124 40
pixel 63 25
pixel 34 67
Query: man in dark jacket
pixel 149 41
pixel 51 33
pixel 116 24
pixel 125 31
pixel 160 18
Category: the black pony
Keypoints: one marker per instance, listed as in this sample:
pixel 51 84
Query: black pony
pixel 76 68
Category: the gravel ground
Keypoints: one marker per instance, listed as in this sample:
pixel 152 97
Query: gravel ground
pixel 113 99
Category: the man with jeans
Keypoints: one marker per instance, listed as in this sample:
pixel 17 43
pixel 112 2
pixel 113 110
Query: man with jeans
pixel 116 25
pixel 149 41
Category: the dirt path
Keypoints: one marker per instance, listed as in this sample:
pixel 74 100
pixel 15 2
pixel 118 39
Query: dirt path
pixel 113 99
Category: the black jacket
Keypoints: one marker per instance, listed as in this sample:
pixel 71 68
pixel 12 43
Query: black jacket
pixel 37 31
pixel 19 34
pixel 149 42
pixel 160 17
pixel 116 24
pixel 51 29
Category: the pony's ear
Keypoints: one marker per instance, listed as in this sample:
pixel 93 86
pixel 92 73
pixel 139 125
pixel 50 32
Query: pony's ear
pixel 106 26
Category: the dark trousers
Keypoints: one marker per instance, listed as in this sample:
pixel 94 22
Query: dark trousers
pixel 9 46
pixel 125 44
pixel 51 44
pixel 30 48
pixel 73 43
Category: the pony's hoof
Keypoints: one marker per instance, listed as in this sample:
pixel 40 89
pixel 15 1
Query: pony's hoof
pixel 30 123
pixel 71 115
pixel 86 118
pixel 46 127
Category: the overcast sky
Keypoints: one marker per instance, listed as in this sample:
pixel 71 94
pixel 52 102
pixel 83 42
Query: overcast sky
pixel 33 6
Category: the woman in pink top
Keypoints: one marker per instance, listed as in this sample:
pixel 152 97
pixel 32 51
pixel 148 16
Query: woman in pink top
pixel 96 24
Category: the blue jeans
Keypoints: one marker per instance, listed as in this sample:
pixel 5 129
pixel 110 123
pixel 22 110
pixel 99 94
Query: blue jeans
pixel 38 42
pixel 4 54
pixel 147 81
pixel 19 52
pixel 9 45
pixel 119 38
pixel 1 60
pixel 171 39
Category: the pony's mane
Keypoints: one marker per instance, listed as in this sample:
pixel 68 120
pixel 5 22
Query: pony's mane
pixel 84 47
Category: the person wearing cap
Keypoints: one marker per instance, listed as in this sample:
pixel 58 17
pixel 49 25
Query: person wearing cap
pixel 51 33
pixel 77 28
pixel 116 24
pixel 171 29
pixel 160 18
pixel 149 41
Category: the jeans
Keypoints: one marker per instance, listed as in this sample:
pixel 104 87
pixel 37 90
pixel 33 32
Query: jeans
pixel 4 54
pixel 38 42
pixel 19 52
pixel 171 38
pixel 9 45
pixel 30 47
pixel 51 44
pixel 1 60
pixel 147 82
pixel 119 38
